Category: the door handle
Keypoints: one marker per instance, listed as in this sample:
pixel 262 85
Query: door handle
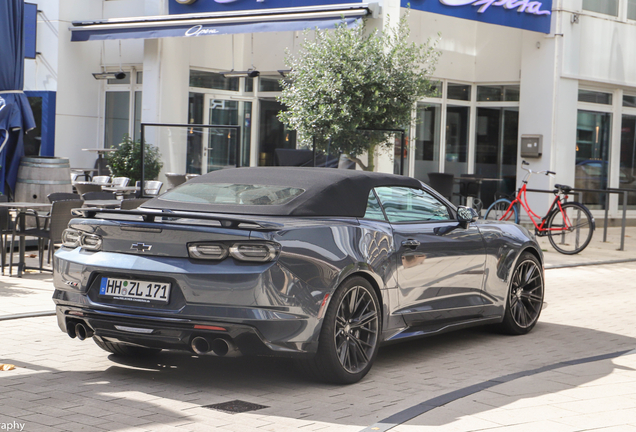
pixel 410 243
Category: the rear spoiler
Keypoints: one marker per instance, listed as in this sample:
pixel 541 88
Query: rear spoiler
pixel 169 215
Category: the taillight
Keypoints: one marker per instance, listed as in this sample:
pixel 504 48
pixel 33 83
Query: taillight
pixel 257 252
pixel 208 251
pixel 91 242
pixel 71 238
pixel 244 251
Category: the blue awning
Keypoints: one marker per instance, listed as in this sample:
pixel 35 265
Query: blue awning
pixel 273 20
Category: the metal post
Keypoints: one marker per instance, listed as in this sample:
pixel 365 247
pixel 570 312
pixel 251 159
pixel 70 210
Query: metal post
pixel 624 222
pixel 607 195
pixel 402 155
pixel 143 165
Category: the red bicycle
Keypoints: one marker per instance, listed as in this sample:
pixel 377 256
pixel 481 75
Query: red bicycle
pixel 568 225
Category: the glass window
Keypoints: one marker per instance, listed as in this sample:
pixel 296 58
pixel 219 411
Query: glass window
pixel 374 211
pixel 496 151
pixel 436 89
pixel 627 175
pixel 235 194
pixel 456 140
pixel 592 155
pixel 629 101
pixel 458 91
pixel 609 7
pixel 140 77
pixel 498 93
pixel 269 84
pixel 427 140
pixel 116 118
pixel 595 97
pixel 213 80
pixel 125 80
pixel 631 9
pixel 403 204
pixel 249 85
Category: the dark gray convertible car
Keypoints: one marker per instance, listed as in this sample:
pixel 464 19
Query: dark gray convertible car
pixel 319 264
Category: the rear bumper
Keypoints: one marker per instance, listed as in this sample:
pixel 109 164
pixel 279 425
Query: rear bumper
pixel 178 333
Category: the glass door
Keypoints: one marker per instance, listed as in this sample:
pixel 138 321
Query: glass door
pixel 222 147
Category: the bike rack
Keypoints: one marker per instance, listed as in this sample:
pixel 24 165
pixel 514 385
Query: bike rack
pixel 607 191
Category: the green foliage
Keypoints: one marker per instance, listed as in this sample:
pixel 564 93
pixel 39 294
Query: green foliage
pixel 126 161
pixel 349 78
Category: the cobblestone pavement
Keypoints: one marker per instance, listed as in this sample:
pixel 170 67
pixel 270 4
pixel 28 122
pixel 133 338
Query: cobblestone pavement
pixel 64 384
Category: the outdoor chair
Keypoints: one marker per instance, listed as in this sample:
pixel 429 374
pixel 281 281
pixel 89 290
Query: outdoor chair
pixel 50 231
pixel 442 183
pixel 101 179
pixel 61 196
pixel 133 203
pixel 6 228
pixel 175 179
pixel 84 187
pixel 120 181
pixel 99 195
pixel 151 188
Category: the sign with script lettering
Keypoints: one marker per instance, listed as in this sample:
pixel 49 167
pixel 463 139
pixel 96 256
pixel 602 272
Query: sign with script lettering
pixel 523 14
pixel 202 6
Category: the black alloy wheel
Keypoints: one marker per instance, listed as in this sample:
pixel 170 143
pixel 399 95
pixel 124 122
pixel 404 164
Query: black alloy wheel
pixel 525 296
pixel 349 336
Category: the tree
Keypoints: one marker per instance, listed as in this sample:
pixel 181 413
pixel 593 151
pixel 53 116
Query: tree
pixel 348 79
pixel 126 160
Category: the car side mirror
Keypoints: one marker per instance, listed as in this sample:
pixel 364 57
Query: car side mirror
pixel 466 215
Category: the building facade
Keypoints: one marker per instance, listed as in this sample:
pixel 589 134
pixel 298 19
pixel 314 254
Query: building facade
pixel 513 73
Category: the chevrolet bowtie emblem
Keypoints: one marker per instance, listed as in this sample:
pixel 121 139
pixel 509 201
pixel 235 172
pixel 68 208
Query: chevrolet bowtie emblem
pixel 141 247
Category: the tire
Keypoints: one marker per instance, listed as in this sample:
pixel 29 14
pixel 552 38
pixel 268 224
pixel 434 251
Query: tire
pixel 349 339
pixel 124 350
pixel 525 296
pixel 578 236
pixel 497 210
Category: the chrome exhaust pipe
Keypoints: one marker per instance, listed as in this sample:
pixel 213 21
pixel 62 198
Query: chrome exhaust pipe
pixel 200 345
pixel 83 332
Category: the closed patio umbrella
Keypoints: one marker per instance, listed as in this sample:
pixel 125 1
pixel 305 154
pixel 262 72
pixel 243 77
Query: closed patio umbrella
pixel 16 116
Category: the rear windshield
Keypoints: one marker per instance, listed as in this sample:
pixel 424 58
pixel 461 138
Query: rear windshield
pixel 226 193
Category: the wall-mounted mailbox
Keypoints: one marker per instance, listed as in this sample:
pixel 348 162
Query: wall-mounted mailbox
pixel 531 146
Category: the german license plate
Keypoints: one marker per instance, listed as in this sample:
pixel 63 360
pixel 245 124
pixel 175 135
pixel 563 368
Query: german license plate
pixel 135 290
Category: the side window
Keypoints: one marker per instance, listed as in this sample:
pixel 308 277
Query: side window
pixel 403 204
pixel 374 211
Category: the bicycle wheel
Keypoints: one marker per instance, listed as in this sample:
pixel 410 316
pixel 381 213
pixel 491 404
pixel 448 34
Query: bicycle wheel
pixel 577 236
pixel 497 211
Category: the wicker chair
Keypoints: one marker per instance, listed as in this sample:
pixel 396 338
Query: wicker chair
pixel 57 221
pixel 84 187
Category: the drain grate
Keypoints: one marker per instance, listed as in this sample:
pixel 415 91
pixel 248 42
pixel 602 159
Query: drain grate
pixel 235 407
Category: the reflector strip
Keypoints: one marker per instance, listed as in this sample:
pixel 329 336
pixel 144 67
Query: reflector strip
pixel 206 327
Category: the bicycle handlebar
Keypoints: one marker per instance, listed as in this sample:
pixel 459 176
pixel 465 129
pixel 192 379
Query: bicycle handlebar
pixel 535 172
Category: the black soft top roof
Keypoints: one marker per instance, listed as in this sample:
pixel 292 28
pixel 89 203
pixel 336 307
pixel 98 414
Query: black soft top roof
pixel 328 192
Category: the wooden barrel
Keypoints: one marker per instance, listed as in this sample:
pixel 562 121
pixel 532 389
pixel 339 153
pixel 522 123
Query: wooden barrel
pixel 39 176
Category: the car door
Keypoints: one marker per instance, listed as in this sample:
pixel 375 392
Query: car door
pixel 440 261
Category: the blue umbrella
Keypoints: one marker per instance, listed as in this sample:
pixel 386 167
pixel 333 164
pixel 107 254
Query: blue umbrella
pixel 16 116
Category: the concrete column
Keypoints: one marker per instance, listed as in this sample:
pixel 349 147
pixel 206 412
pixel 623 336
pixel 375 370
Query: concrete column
pixel 165 99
